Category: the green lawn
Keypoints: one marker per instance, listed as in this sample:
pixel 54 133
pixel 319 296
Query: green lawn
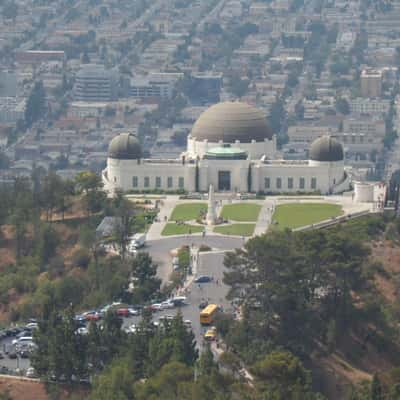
pixel 188 211
pixel 184 229
pixel 294 215
pixel 241 212
pixel 236 229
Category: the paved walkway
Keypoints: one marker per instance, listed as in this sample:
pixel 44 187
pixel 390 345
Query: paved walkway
pixel 166 208
pixel 264 218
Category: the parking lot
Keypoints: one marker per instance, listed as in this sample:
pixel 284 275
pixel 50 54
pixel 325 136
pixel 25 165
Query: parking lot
pixel 210 264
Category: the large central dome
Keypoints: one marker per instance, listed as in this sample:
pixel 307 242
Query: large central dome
pixel 231 121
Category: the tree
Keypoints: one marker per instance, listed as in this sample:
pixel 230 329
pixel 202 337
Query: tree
pixel 206 365
pixel 144 272
pixel 239 86
pixel 124 212
pixel 115 383
pixel 105 344
pixel 342 106
pixel 376 389
pixel 47 243
pixel 168 384
pixel 36 104
pixel 60 352
pixel 90 184
pixel 276 115
pixel 278 279
pixel 281 375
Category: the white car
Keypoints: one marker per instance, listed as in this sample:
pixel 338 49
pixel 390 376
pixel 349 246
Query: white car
pixel 24 340
pixel 82 331
pixel 156 306
pixel 167 305
pixel 30 373
pixel 133 312
pixel 105 309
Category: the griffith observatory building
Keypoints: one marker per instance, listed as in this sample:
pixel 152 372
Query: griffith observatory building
pixel 232 148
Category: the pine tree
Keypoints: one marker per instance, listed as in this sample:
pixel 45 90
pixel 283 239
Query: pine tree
pixel 36 104
pixel 376 388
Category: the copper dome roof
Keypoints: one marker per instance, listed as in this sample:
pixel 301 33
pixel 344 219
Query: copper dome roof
pixel 326 148
pixel 231 121
pixel 125 146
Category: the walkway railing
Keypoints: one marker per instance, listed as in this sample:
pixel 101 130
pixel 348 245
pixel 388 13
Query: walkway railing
pixel 333 221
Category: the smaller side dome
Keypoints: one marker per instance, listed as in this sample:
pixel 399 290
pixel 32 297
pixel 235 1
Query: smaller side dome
pixel 326 149
pixel 125 146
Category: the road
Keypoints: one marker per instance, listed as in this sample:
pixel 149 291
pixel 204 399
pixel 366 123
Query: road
pixel 160 249
pixel 210 264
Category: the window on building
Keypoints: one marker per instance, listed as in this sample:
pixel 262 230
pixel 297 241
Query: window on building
pixel 135 182
pixel 313 183
pixel 158 181
pixel 302 183
pixel 181 182
pixel 169 182
pixel 267 183
pixel 290 183
pixel 146 181
pixel 278 183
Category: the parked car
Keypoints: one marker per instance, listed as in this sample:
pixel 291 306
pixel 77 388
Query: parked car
pixel 138 240
pixel 30 373
pixel 156 307
pixel 80 319
pixel 31 326
pixel 123 312
pixel 187 323
pixel 93 317
pixel 133 312
pixel 179 301
pixel 167 305
pixel 23 333
pixel 12 355
pixel 24 354
pixel 23 340
pixel 203 279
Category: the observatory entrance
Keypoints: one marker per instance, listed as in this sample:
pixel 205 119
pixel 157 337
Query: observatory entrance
pixel 224 180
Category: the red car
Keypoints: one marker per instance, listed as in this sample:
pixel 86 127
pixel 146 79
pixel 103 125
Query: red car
pixel 92 317
pixel 123 312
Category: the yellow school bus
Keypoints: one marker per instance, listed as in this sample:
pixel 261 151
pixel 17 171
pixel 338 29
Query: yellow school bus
pixel 207 315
